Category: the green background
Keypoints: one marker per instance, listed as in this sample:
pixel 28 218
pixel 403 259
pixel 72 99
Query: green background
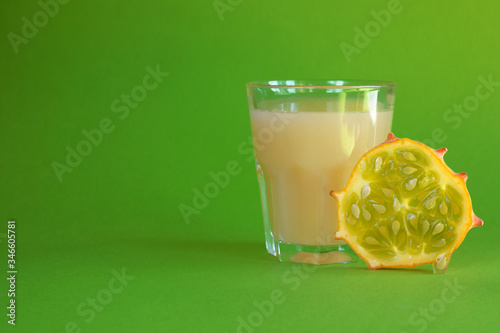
pixel 119 207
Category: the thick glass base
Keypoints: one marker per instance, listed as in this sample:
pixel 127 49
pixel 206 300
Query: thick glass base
pixel 316 255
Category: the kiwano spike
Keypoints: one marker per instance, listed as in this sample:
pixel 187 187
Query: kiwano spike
pixel 441 152
pixel 477 222
pixel 337 194
pixel 390 138
pixel 463 175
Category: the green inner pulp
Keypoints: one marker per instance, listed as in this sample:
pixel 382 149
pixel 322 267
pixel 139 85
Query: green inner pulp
pixel 403 208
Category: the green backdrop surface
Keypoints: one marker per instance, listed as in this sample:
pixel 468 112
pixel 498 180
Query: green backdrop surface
pixel 152 95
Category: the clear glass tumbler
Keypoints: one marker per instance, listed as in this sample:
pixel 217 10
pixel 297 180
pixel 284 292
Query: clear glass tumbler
pixel 307 137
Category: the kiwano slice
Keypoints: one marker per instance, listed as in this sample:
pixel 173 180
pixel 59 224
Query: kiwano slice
pixel 404 207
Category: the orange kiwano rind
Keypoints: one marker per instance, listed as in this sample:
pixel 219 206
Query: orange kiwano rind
pixel 404 207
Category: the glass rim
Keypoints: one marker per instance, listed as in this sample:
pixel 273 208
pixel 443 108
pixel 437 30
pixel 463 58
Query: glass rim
pixel 322 84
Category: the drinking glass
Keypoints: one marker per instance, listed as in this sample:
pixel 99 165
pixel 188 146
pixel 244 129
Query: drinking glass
pixel 307 138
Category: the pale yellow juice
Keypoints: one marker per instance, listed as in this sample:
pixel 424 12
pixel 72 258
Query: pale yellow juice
pixel 304 155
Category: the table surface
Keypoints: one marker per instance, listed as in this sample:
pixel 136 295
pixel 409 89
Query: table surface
pixel 151 97
pixel 131 280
